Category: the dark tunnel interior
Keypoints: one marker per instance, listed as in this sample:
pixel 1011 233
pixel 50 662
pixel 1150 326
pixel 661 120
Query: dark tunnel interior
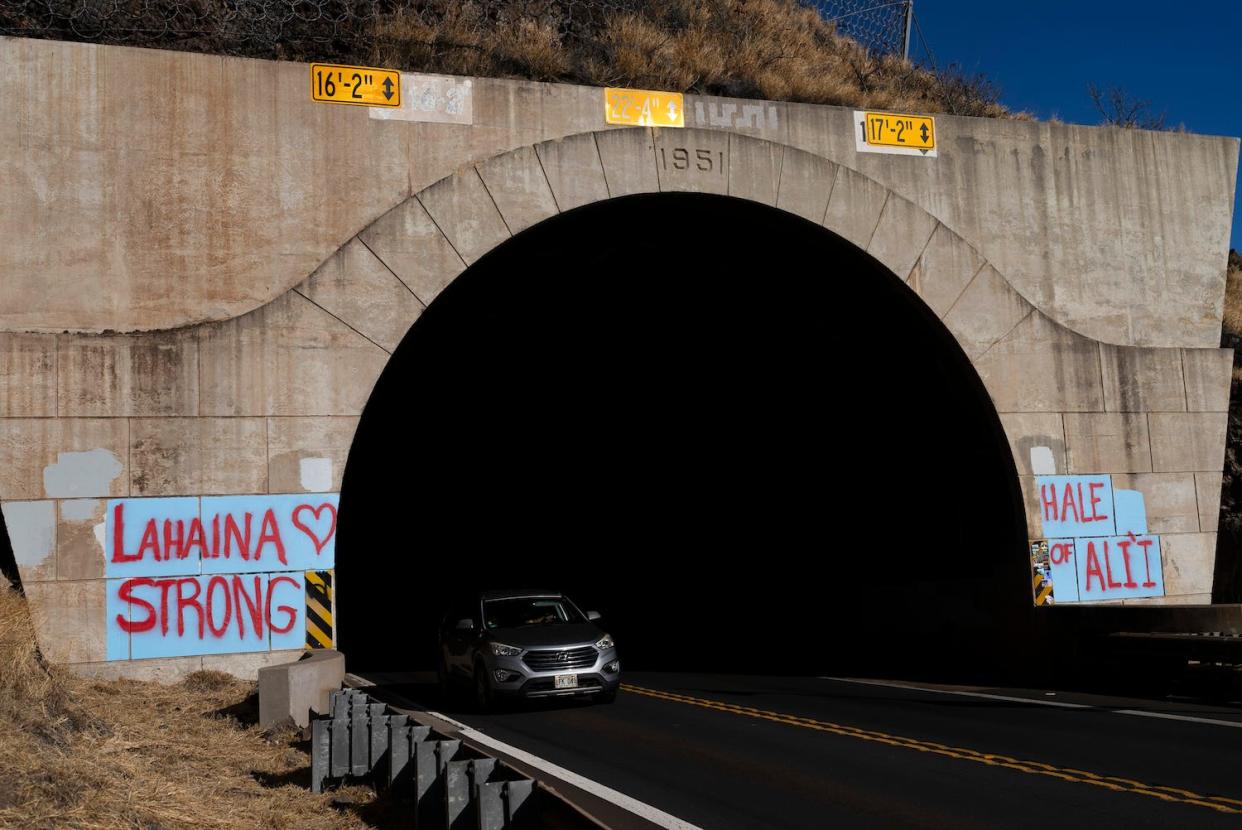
pixel 746 443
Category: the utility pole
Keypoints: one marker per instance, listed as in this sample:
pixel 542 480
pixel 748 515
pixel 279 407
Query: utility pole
pixel 909 21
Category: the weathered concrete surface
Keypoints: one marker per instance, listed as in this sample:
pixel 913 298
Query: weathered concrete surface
pixel 270 254
pixel 294 691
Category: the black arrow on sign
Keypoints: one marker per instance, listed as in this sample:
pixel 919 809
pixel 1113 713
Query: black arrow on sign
pixel 388 96
pixel 923 131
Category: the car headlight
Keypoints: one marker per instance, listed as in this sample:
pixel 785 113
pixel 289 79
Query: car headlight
pixel 605 643
pixel 502 650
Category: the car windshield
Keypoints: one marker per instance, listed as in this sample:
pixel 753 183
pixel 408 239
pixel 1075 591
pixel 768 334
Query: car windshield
pixel 521 611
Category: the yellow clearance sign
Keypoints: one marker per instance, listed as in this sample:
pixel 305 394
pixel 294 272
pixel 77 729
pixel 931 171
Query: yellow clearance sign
pixel 889 132
pixel 362 86
pixel 643 108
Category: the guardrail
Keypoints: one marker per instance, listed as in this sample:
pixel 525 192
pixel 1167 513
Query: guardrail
pixel 451 786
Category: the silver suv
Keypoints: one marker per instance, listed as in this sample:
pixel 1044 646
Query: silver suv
pixel 525 644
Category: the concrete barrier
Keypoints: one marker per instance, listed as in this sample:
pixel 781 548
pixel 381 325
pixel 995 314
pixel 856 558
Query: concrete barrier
pixel 293 691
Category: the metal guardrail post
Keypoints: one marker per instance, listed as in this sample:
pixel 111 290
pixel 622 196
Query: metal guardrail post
pixel 401 742
pixel 381 744
pixel 359 744
pixel 320 752
pixel 431 759
pixel 338 729
pixel 461 779
pixel 505 805
pixel 519 804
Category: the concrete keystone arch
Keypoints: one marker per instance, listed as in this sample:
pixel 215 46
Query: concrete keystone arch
pixel 380 280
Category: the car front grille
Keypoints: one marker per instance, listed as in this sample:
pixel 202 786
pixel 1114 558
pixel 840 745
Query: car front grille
pixel 569 658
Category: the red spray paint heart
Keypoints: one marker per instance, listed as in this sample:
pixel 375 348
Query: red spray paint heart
pixel 314 537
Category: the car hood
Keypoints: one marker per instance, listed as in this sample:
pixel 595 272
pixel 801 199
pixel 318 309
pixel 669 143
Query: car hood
pixel 547 636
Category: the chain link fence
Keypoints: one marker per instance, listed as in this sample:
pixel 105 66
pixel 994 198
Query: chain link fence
pixel 880 25
pixel 355 30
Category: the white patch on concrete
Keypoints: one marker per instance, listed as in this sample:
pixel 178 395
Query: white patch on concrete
pixel 731 116
pixel 79 510
pixel 440 99
pixel 78 474
pixel 32 530
pixel 315 474
pixel 83 510
pixel 1043 463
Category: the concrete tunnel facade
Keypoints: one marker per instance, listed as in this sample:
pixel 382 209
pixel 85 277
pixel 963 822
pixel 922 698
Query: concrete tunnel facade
pixel 202 289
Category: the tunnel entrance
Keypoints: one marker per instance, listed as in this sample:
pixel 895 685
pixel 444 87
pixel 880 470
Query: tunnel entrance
pixel 745 442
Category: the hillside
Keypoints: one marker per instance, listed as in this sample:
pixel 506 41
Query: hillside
pixel 1229 558
pixel 774 49
pixel 81 753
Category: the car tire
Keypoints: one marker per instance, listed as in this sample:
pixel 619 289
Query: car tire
pixel 606 697
pixel 483 698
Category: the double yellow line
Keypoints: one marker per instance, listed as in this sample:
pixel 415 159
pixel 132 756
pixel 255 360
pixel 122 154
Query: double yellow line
pixel 1109 782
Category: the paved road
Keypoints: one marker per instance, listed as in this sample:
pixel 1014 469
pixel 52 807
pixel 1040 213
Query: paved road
pixel 726 752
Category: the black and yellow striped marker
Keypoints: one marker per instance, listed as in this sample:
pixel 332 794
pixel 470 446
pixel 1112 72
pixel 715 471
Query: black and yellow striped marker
pixel 1043 590
pixel 319 609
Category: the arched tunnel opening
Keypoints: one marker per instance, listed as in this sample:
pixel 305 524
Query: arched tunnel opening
pixel 741 439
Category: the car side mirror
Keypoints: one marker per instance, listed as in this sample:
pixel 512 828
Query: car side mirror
pixel 592 615
pixel 465 625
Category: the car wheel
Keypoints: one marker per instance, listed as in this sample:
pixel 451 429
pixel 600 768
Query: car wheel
pixel 606 697
pixel 483 698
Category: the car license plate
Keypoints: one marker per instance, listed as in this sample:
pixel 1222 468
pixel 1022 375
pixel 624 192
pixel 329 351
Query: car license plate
pixel 565 681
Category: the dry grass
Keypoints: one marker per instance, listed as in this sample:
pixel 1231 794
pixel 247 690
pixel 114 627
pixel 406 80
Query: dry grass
pixel 772 49
pixel 1233 297
pixel 79 753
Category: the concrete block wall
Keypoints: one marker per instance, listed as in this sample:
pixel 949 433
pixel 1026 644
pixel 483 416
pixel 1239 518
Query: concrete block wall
pixel 218 362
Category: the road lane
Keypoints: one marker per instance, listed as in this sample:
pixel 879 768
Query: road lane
pixel 716 764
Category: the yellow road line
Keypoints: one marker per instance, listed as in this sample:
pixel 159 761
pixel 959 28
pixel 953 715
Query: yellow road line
pixel 1177 795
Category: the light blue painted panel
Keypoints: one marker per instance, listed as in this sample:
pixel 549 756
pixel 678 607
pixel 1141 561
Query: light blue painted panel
pixel 185 624
pixel 32 531
pixel 1119 567
pixel 157 537
pixel 116 636
pixel 1076 506
pixel 287 611
pixel 227 602
pixel 271 533
pixel 1064 570
pixel 1131 512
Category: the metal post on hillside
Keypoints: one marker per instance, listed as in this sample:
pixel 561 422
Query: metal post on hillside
pixel 905 44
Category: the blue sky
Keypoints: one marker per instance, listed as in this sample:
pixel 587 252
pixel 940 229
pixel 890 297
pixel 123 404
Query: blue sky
pixel 1186 58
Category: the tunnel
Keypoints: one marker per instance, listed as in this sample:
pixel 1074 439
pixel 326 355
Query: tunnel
pixel 745 442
